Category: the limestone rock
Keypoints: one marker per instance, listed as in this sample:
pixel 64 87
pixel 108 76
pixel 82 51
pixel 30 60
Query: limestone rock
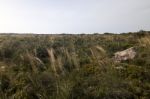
pixel 125 55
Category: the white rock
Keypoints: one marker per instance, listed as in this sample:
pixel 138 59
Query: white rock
pixel 125 55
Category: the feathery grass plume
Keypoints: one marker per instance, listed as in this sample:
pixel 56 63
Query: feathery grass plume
pixel 39 60
pixel 93 55
pixel 71 59
pixel 101 49
pixel 98 52
pixel 75 60
pixel 100 58
pixel 68 56
pixel 3 67
pixel 145 41
pixel 31 60
pixel 52 59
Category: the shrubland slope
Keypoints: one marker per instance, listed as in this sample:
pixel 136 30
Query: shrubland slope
pixel 36 66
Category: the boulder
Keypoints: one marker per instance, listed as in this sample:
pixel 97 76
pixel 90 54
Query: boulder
pixel 125 55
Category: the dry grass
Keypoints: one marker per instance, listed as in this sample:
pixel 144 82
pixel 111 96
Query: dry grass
pixel 145 41
pixel 52 60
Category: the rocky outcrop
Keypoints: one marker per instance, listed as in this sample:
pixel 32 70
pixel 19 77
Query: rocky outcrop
pixel 127 54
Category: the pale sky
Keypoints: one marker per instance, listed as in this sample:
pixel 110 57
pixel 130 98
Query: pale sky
pixel 74 16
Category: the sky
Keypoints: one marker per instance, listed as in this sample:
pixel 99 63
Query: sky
pixel 74 16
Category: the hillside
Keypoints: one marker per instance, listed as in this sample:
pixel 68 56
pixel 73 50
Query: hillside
pixel 42 66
